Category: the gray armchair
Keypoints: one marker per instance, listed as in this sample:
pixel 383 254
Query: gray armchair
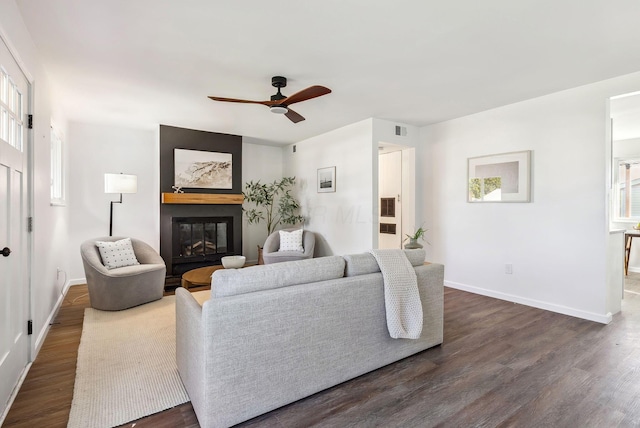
pixel 270 253
pixel 124 287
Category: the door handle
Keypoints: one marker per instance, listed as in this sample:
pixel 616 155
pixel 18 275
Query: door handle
pixel 6 251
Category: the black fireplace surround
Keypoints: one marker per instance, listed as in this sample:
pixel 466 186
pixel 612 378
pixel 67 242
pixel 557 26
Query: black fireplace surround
pixel 197 235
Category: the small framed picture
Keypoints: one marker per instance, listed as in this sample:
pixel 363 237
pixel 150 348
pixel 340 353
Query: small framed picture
pixel 505 177
pixel 327 179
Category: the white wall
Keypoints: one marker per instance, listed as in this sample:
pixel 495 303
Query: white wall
pixel 342 220
pixel 50 223
pixel 264 163
pixel 94 150
pixel 558 242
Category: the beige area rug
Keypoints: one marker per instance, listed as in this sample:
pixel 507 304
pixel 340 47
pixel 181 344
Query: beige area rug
pixel 127 365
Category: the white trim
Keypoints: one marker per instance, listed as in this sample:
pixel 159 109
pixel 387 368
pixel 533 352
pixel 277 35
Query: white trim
pixel 565 310
pixel 78 281
pixel 634 269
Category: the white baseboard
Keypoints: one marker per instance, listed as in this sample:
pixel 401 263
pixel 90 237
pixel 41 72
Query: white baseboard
pixel 47 325
pixel 78 281
pixel 565 310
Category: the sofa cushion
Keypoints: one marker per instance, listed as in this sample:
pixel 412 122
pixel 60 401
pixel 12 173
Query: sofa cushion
pixel 364 263
pixel 229 282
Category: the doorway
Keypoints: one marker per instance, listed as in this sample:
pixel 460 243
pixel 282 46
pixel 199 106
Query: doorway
pixel 14 195
pixel 625 178
pixel 396 194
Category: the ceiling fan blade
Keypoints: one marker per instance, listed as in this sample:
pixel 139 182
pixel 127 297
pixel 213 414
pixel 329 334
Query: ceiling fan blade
pixel 235 100
pixel 306 94
pixel 293 116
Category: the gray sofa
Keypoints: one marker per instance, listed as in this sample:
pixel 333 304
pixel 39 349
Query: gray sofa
pixel 271 335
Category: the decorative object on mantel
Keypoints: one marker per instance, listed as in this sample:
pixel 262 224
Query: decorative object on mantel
pixel 273 203
pixel 413 239
pixel 177 189
pixel 119 183
pixel 503 177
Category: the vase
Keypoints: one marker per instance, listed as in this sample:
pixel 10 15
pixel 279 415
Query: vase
pixel 260 259
pixel 413 244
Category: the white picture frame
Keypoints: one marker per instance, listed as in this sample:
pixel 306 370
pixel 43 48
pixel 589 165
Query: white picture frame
pixel 327 179
pixel 504 177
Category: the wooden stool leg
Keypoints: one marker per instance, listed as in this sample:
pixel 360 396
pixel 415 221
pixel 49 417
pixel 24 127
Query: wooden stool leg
pixel 627 253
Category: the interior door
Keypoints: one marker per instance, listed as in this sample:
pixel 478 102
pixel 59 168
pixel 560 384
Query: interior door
pixel 390 200
pixel 14 281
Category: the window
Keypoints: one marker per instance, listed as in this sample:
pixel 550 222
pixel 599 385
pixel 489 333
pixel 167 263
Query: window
pixel 57 168
pixel 627 190
pixel 11 114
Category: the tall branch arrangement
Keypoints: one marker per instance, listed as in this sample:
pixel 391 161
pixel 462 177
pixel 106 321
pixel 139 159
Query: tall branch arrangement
pixel 273 203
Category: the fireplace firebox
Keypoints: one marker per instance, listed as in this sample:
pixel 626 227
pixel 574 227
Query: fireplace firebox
pixel 200 241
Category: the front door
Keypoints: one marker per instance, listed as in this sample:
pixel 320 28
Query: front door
pixel 14 281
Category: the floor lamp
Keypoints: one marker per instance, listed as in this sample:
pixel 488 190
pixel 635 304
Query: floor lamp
pixel 119 183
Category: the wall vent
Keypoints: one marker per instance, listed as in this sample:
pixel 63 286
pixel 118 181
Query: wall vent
pixel 401 131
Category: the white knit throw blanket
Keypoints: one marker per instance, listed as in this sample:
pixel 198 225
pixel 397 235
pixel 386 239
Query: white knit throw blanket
pixel 401 297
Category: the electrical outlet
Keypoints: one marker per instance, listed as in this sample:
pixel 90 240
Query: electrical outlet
pixel 508 268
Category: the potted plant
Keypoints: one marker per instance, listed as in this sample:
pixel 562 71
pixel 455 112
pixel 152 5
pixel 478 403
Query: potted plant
pixel 413 239
pixel 273 203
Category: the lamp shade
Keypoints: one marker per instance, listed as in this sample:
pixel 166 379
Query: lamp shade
pixel 120 183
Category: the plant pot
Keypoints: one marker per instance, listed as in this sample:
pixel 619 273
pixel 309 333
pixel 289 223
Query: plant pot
pixel 413 244
pixel 260 259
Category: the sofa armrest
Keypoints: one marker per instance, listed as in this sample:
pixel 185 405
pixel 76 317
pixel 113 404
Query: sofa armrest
pixel 190 345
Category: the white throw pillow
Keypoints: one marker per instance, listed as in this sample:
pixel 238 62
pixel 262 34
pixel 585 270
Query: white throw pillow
pixel 117 253
pixel 291 241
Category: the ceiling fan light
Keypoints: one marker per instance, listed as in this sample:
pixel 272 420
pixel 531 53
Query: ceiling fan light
pixel 279 109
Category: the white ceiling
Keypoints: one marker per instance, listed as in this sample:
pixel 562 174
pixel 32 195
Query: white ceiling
pixel 143 62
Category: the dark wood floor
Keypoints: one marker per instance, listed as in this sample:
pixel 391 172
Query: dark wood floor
pixel 501 364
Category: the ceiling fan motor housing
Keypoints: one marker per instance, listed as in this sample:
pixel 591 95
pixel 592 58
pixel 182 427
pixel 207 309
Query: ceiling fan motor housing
pixel 279 81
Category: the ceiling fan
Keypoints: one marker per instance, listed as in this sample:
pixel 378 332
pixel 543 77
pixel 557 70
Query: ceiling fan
pixel 279 103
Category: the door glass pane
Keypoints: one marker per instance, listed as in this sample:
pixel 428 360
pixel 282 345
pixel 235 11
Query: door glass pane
pixel 3 124
pixel 19 137
pixel 12 131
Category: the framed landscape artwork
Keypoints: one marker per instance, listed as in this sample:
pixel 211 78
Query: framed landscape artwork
pixel 327 179
pixel 503 177
pixel 202 170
